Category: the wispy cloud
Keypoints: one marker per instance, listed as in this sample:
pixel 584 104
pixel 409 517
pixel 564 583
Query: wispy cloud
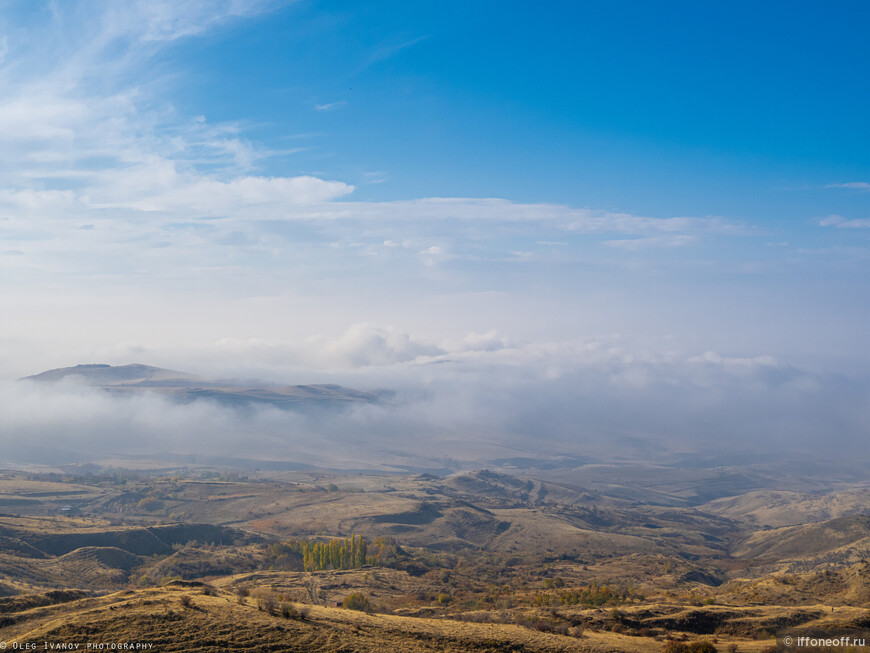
pixel 857 185
pixel 90 136
pixel 636 244
pixel 162 20
pixel 840 222
pixel 331 106
pixel 374 177
pixel 386 50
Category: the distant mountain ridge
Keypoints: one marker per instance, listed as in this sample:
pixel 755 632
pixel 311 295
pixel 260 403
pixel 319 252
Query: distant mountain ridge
pixel 184 387
pixel 134 374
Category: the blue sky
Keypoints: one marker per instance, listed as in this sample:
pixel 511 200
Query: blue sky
pixel 665 109
pixel 709 143
pixel 281 188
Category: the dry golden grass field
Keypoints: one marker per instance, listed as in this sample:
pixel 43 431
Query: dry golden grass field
pixel 479 561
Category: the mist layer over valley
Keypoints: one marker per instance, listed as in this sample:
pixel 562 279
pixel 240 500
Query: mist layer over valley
pixel 395 404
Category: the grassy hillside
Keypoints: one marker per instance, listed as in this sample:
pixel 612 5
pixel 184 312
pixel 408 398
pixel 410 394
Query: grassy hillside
pixel 474 561
pixel 183 618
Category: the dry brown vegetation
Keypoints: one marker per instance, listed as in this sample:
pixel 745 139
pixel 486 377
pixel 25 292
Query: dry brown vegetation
pixel 477 561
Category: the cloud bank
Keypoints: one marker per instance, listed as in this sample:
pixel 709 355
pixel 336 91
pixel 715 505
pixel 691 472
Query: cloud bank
pixel 464 402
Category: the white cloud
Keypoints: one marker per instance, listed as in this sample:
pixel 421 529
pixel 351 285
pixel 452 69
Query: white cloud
pixel 636 244
pixel 39 201
pixel 386 50
pixel 366 344
pixel 89 137
pixel 712 358
pixel 360 346
pixel 857 185
pixel 435 254
pixel 44 118
pixel 106 147
pixel 840 222
pixel 330 106
pixel 202 196
pixel 566 218
pixel 163 20
pixel 489 341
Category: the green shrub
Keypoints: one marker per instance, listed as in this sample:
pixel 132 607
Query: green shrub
pixel 356 601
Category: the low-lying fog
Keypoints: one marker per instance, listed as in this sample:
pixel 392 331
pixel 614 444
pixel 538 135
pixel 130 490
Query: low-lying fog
pixel 468 402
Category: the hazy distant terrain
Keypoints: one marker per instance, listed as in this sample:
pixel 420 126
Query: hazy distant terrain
pixel 453 421
pixel 179 386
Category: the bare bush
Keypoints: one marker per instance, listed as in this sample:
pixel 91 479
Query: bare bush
pixel 267 602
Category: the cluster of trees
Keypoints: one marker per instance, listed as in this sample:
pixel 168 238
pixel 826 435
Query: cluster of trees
pixel 338 553
pixel 348 553
pixel 591 596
